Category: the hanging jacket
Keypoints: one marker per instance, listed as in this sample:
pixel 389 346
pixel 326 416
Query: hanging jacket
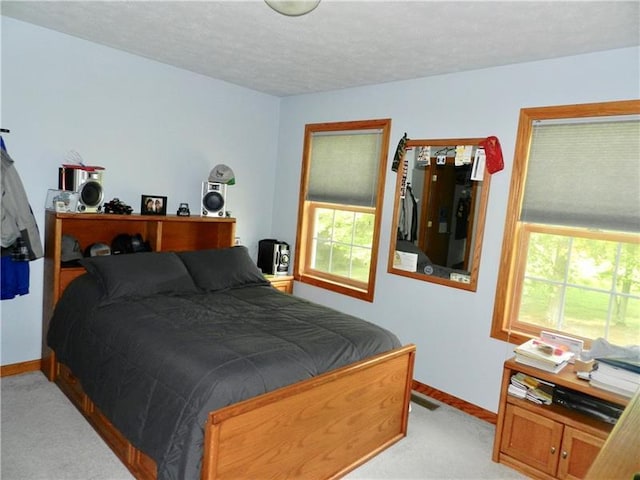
pixel 17 217
pixel 408 221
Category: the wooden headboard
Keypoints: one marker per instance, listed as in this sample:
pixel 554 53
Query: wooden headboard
pixel 163 232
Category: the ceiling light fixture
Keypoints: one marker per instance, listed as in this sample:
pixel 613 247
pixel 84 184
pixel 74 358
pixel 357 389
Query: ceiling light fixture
pixel 293 8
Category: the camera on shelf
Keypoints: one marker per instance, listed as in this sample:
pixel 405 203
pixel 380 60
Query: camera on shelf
pixel 183 210
pixel 118 207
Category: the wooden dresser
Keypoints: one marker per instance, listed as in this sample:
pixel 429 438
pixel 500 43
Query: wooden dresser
pixel 164 233
pixel 549 441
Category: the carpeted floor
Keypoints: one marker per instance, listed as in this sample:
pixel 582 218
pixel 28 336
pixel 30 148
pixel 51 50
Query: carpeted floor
pixel 43 436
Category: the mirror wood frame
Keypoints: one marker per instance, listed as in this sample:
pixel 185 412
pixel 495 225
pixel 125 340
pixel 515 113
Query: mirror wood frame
pixel 479 220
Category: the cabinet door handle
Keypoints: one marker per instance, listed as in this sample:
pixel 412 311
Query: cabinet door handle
pixel 553 450
pixel 565 454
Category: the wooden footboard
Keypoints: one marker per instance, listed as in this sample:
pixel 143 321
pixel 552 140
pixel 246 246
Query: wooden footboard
pixel 320 428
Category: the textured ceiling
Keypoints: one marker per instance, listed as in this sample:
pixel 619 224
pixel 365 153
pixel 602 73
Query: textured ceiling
pixel 340 44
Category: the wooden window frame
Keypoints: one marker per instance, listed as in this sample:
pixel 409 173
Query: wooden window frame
pixel 302 269
pixel 509 284
pixel 525 231
pixel 311 207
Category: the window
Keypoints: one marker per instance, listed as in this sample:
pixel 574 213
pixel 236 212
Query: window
pixel 341 190
pixel 571 249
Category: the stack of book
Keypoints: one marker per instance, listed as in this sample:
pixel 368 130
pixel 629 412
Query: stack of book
pixel 621 376
pixel 543 355
pixel 531 388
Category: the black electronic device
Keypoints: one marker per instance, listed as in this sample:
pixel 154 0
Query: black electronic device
pixel 594 407
pixel 273 257
pixel 117 206
pixel 183 210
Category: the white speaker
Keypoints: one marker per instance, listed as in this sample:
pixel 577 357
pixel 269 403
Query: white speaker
pixel 214 199
pixel 87 183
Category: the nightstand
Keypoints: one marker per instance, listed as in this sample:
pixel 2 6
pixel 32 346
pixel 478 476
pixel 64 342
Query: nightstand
pixel 566 441
pixel 283 283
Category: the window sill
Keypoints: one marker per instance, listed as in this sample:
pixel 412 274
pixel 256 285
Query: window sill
pixel 342 288
pixel 515 338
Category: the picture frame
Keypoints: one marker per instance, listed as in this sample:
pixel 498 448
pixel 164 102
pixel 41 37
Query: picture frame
pixel 153 205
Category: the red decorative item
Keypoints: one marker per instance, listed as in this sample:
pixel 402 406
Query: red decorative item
pixel 493 153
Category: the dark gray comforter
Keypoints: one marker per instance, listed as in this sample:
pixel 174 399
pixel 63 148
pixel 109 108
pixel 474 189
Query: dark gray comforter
pixel 156 365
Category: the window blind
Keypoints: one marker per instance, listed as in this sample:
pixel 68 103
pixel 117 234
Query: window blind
pixel 344 167
pixel 584 175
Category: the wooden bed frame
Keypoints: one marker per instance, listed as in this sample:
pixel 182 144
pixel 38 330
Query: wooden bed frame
pixel 320 428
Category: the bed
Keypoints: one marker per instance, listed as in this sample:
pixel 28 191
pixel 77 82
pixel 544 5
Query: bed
pixel 191 365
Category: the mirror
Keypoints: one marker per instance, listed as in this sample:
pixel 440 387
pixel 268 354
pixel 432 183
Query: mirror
pixel 442 190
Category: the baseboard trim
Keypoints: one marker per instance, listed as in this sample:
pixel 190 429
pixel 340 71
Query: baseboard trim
pixel 469 408
pixel 455 402
pixel 18 368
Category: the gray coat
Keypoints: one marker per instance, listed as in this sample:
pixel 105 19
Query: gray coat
pixel 17 216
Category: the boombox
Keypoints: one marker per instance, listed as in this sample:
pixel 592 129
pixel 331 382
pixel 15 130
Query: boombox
pixel 86 181
pixel 273 257
pixel 214 199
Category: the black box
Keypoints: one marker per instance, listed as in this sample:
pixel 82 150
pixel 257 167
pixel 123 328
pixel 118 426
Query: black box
pixel 594 407
pixel 273 257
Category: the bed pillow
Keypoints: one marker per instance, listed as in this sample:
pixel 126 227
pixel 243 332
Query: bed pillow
pixel 222 268
pixel 139 274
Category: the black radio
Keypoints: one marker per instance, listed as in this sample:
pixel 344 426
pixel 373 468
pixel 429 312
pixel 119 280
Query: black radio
pixel 273 257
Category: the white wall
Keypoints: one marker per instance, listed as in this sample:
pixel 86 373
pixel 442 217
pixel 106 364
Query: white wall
pixel 156 129
pixel 159 130
pixel 450 327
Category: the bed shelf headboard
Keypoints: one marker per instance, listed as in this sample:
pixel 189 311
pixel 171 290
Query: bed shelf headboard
pixel 164 233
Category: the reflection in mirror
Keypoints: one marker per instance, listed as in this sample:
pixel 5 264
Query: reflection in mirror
pixel 440 206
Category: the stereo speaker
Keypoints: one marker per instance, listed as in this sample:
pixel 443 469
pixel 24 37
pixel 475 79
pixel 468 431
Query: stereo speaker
pixel 273 257
pixel 87 183
pixel 214 199
pixel 281 259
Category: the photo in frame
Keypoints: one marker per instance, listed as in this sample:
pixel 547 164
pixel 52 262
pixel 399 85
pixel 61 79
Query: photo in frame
pixel 153 205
